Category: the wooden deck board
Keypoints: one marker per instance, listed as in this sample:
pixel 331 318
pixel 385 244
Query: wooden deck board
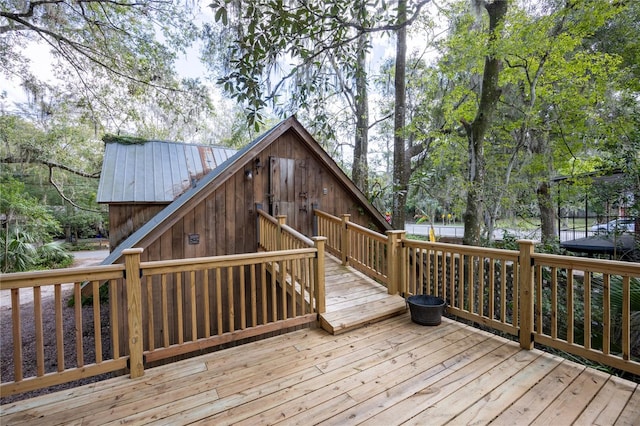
pixel 390 372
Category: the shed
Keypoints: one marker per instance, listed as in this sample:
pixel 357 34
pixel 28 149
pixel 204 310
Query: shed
pixel 284 172
pixel 180 201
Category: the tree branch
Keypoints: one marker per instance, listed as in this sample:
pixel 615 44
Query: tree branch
pixel 64 197
pixel 50 165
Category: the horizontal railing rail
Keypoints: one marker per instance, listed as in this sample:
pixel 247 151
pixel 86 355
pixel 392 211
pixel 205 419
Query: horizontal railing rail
pixel 75 350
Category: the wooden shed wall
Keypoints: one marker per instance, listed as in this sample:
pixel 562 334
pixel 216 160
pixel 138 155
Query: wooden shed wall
pixel 225 222
pixel 125 219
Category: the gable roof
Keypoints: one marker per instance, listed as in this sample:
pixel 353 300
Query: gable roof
pixel 155 171
pixel 167 217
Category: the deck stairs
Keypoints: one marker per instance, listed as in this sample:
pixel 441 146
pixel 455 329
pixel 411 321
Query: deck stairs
pixel 354 300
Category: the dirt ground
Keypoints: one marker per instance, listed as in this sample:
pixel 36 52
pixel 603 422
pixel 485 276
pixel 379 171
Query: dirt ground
pixel 28 332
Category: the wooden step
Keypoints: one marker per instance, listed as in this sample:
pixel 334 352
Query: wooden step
pixel 360 315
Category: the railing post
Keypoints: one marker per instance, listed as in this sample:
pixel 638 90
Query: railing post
pixel 282 220
pixel 134 311
pixel 395 267
pixel 526 294
pixel 345 247
pixel 319 274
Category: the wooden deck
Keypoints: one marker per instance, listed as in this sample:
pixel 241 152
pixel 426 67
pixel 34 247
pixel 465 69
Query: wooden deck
pixel 388 373
pixel 354 300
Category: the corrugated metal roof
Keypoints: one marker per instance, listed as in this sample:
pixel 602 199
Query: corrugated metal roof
pixel 155 171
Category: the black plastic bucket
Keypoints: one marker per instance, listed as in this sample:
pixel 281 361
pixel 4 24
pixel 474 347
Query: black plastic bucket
pixel 425 309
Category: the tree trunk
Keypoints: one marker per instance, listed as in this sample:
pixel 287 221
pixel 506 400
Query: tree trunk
pixel 360 168
pixel 399 170
pixel 547 213
pixel 476 130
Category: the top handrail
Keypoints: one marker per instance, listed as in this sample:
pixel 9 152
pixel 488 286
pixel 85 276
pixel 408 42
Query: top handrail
pixel 327 216
pixel 369 232
pixel 614 267
pixel 60 276
pixel 471 250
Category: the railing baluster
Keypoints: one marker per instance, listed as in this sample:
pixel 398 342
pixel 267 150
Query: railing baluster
pixel 570 306
pixel 254 300
pixel 97 328
pixel 554 302
pixel 194 316
pixel 503 291
pixel 207 303
pixel 274 297
pixel 37 312
pixel 626 318
pixel 219 300
pixel 471 283
pixel 165 311
pixel 178 281
pixel 263 287
pixel 283 280
pixel 150 319
pixel 492 288
pixel 17 334
pixel 292 268
pixel 606 314
pixel 114 322
pixel 78 324
pixel 232 312
pixel 461 293
pixel 539 313
pixel 481 286
pixel 57 302
pixel 587 309
pixel 243 299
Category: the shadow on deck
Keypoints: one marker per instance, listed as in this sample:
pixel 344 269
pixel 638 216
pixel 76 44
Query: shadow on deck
pixel 354 300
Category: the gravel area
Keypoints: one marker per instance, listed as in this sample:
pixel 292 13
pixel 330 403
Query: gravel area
pixel 69 331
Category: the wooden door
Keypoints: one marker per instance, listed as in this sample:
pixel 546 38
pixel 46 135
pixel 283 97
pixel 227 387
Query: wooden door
pixel 288 192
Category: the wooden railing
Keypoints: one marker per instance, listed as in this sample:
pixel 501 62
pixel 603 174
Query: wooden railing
pixel 479 284
pixel 552 300
pixel 583 306
pixel 225 298
pixel 275 234
pixel 364 249
pixel 49 292
pixel 169 308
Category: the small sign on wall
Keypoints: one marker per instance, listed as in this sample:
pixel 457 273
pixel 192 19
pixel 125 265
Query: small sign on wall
pixel 194 238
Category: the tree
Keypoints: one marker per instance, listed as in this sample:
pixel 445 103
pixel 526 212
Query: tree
pixel 476 130
pixel 107 55
pixel 54 155
pixel 325 44
pixel 400 172
pixel 25 222
pixel 555 90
